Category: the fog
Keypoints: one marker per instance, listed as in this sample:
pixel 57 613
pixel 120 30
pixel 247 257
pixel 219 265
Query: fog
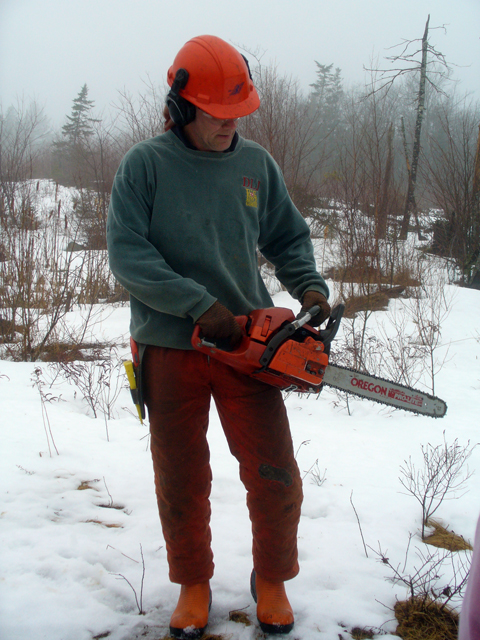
pixel 49 49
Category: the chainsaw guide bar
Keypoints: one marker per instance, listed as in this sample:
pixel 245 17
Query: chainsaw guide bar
pixel 383 391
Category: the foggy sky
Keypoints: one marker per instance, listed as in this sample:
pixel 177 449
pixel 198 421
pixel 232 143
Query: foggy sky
pixel 50 48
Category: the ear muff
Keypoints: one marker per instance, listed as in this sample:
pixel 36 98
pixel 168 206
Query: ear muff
pixel 181 111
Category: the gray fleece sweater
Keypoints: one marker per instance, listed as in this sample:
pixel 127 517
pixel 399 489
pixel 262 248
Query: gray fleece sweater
pixel 183 231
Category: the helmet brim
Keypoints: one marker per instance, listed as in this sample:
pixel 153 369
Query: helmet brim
pixel 227 111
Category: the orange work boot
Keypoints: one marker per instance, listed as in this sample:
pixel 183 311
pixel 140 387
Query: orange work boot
pixel 190 617
pixel 274 612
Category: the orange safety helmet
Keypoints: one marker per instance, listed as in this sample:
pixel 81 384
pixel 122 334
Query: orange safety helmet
pixel 219 80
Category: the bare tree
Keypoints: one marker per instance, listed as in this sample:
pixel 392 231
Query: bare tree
pixel 23 128
pixel 449 171
pixel 140 117
pixel 287 124
pixel 409 55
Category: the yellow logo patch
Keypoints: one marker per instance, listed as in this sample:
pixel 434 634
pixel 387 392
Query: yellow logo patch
pixel 252 200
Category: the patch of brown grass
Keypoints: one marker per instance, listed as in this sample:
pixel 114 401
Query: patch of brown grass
pixel 207 636
pixel 109 525
pixel 240 617
pixel 375 302
pixel 445 539
pixel 362 634
pixel 424 619
pixel 69 352
pixel 365 274
pixel 87 484
pixel 405 279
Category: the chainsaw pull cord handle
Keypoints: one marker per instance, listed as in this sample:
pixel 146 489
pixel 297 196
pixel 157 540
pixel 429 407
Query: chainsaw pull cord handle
pixel 285 332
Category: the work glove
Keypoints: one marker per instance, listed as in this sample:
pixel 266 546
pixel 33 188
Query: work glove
pixel 218 322
pixel 314 298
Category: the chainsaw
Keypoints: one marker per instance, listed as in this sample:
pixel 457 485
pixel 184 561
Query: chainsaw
pixel 286 352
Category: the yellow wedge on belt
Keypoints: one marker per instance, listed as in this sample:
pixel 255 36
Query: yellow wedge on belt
pixel 128 364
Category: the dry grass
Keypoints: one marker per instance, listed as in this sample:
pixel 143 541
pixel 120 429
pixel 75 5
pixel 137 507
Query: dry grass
pixel 423 619
pixel 87 484
pixel 108 525
pixel 362 634
pixel 70 352
pixel 206 636
pixel 240 617
pixel 375 302
pixel 365 274
pixel 445 539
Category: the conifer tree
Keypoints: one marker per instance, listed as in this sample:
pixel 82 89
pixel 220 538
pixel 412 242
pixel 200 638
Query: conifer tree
pixel 327 94
pixel 79 125
pixel 72 152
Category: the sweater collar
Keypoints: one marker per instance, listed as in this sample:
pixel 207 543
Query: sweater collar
pixel 180 133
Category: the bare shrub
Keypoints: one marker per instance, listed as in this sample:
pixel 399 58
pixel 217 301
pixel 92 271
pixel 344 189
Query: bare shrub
pixel 99 381
pixel 138 596
pixel 436 579
pixel 141 116
pixel 43 277
pixel 45 397
pixel 428 311
pixel 443 476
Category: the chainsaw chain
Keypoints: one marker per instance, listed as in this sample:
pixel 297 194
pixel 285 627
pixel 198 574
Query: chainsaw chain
pixel 385 404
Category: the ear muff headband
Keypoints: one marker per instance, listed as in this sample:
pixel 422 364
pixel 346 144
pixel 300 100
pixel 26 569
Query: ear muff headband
pixel 181 111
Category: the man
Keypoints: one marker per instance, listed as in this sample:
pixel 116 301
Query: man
pixel 188 210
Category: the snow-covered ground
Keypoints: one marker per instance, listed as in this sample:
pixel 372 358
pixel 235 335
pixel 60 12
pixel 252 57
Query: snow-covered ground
pixel 75 525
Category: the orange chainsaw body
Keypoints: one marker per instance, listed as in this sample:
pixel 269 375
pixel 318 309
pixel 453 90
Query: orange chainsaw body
pixel 298 362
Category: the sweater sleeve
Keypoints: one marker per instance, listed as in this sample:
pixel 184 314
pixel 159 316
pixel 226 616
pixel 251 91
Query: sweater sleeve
pixel 285 242
pixel 134 260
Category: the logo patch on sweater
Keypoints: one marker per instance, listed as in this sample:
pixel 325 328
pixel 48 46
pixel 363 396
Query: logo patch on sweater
pixel 251 185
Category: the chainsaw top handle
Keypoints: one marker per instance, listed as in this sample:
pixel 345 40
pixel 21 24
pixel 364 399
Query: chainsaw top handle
pixel 333 324
pixel 326 335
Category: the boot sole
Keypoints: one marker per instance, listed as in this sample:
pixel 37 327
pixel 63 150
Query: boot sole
pixel 268 628
pixel 183 634
pixel 190 634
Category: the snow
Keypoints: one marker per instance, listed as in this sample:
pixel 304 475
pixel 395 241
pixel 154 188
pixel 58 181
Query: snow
pixel 74 525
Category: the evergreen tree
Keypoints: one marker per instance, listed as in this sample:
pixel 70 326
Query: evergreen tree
pixel 328 92
pixel 72 152
pixel 326 103
pixel 79 125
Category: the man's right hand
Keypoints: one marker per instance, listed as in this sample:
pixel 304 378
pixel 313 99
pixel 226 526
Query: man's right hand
pixel 219 322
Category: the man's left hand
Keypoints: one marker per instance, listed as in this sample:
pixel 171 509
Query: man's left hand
pixel 312 299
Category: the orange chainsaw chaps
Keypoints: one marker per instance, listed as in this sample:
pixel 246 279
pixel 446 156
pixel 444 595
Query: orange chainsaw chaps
pixel 304 363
